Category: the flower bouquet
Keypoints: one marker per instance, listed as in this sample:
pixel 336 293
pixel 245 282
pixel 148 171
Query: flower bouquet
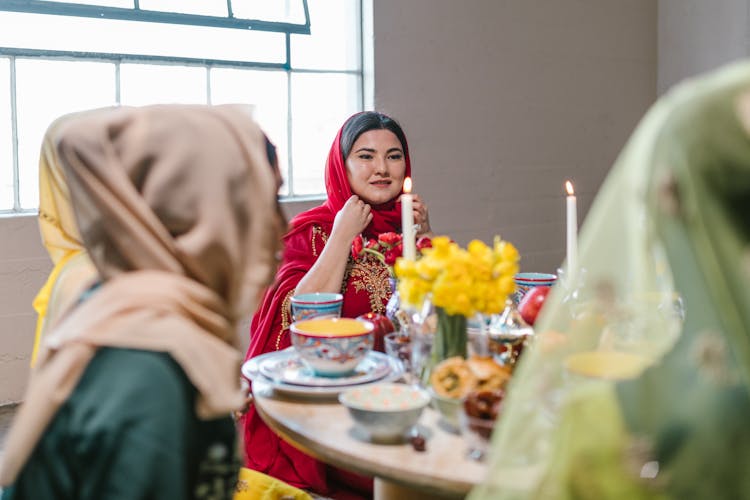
pixel 459 283
pixel 387 248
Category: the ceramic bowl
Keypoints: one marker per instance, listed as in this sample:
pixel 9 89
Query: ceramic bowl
pixel 332 347
pixel 314 305
pixel 526 281
pixel 385 412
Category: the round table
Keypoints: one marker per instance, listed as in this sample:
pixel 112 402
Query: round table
pixel 323 428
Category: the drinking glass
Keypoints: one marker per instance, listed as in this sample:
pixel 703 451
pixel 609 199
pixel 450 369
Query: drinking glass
pixel 477 433
pixel 398 345
pixel 421 352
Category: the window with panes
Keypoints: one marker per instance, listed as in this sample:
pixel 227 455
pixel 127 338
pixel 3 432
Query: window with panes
pixel 298 62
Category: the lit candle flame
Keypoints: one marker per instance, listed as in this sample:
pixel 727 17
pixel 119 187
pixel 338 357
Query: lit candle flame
pixel 407 185
pixel 569 188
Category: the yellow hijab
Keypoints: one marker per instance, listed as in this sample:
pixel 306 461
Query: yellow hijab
pixel 73 271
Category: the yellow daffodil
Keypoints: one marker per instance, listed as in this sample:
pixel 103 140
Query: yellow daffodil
pixel 477 279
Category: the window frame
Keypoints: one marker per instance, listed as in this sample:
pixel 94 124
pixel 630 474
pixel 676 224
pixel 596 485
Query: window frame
pixel 136 14
pixel 160 17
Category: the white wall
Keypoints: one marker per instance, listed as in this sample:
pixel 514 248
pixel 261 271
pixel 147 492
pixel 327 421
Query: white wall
pixel 502 100
pixel 698 35
pixel 24 266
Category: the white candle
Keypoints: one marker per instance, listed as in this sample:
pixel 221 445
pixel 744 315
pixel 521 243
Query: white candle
pixel 571 229
pixel 407 222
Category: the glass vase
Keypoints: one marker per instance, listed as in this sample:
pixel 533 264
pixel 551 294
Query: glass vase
pixel 393 307
pixel 442 336
pixel 450 337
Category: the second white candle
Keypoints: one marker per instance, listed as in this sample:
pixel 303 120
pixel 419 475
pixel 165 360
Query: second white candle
pixel 571 229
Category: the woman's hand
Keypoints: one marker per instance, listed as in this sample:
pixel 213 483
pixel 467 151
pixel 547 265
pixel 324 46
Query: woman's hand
pixel 327 274
pixel 352 219
pixel 421 217
pixel 245 386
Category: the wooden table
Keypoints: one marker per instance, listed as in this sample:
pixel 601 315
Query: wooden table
pixel 324 429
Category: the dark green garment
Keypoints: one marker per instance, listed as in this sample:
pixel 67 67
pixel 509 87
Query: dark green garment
pixel 129 431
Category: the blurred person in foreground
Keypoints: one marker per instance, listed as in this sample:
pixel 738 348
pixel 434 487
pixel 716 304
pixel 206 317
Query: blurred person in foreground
pixel 132 392
pixel 638 384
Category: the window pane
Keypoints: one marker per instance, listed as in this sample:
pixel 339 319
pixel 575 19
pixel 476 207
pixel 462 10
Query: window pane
pixel 6 147
pixel 128 37
pixel 46 90
pixel 287 11
pixel 143 84
pixel 333 42
pixel 201 7
pixel 267 92
pixel 320 104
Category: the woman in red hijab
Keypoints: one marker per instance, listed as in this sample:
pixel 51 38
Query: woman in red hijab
pixel 365 171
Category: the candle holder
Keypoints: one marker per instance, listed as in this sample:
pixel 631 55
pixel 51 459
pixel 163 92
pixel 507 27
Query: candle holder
pixel 508 334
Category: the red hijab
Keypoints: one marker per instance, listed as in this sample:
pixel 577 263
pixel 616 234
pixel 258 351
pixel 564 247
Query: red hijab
pixel 264 450
pixel 385 217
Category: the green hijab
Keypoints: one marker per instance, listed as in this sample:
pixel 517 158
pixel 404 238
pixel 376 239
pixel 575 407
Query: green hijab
pixel 637 383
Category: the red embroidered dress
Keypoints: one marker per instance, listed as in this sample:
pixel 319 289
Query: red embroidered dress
pixel 365 288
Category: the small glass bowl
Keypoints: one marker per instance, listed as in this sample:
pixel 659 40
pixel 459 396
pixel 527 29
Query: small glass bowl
pixel 477 433
pixel 398 346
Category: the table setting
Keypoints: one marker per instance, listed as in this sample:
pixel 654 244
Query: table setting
pixel 385 399
pixel 424 384
pixel 334 396
pixel 451 305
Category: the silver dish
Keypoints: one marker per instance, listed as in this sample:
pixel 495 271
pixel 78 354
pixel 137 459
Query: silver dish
pixel 290 369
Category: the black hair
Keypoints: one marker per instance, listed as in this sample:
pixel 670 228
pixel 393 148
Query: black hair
pixel 271 152
pixel 364 122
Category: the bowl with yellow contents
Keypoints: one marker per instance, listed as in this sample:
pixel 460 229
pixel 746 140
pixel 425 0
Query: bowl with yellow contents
pixel 332 347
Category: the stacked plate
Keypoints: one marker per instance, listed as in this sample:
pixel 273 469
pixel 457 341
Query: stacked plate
pixel 285 372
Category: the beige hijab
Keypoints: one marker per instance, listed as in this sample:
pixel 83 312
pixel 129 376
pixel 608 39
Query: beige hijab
pixel 177 208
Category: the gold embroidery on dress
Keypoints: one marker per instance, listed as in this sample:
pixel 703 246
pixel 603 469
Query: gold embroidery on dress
pixel 370 275
pixel 286 317
pixel 317 231
pixel 242 485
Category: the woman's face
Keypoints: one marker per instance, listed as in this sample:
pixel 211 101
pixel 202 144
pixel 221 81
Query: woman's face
pixel 376 166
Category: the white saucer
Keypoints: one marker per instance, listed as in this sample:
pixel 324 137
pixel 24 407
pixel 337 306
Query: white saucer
pixel 251 370
pixel 286 367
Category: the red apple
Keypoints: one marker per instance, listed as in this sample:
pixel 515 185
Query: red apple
pixel 383 326
pixel 532 303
